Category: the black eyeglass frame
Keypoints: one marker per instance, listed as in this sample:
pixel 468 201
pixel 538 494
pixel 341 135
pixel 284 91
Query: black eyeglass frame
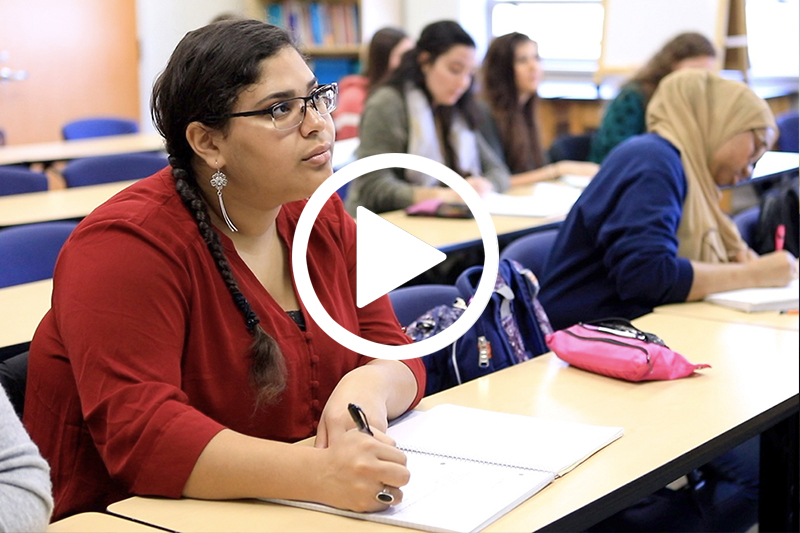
pixel 306 100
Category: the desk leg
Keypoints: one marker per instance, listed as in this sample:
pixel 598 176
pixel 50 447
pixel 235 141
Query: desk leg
pixel 779 487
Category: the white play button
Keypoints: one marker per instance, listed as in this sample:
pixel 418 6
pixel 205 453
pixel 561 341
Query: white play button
pixel 387 257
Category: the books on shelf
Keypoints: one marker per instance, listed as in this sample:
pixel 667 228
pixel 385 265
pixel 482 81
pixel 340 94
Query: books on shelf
pixel 760 299
pixel 470 466
pixel 317 24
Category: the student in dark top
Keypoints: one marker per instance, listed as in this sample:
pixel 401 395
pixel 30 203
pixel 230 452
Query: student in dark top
pixel 649 229
pixel 625 115
pixel 512 72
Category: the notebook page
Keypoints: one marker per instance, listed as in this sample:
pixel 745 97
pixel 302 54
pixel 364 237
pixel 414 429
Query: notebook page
pixel 446 494
pixel 548 199
pixel 502 438
pixel 759 299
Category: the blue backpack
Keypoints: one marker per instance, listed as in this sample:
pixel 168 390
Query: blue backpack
pixel 511 329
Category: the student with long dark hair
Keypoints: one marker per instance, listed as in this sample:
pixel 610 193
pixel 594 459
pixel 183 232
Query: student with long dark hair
pixel 177 359
pixel 386 49
pixel 625 115
pixel 512 73
pixel 426 108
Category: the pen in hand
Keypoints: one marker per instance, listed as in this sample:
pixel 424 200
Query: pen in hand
pixel 360 418
pixel 780 237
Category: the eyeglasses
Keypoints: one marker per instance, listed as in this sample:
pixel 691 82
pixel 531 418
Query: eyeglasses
pixel 760 144
pixel 290 113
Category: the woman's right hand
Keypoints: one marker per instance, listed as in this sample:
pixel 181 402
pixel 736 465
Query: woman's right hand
pixel 356 467
pixel 775 269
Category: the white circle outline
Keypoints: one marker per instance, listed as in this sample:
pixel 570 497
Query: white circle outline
pixel 303 280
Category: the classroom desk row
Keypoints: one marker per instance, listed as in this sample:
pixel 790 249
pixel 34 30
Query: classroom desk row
pixel 65 150
pixel 671 427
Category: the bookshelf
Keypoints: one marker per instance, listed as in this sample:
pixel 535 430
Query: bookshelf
pixel 328 31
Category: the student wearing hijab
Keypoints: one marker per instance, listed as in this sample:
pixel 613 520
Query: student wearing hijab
pixel 649 229
pixel 426 108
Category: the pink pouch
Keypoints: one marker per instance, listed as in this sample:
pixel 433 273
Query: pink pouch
pixel 615 347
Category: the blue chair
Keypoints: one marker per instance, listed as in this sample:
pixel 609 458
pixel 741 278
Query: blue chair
pixel 28 253
pixel 411 302
pixel 18 180
pixel 571 148
pixel 746 221
pixel 531 251
pixel 788 124
pixel 98 127
pixel 116 167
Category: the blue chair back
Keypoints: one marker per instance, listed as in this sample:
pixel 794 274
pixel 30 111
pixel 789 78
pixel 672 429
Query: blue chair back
pixel 28 253
pixel 98 127
pixel 746 221
pixel 571 148
pixel 18 180
pixel 116 167
pixel 411 302
pixel 788 124
pixel 532 251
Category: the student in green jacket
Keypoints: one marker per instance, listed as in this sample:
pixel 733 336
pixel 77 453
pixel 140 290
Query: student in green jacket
pixel 624 116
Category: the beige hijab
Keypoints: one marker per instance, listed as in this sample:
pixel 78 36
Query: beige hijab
pixel 697 111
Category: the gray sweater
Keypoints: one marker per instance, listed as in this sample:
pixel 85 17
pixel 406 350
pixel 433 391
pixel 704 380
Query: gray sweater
pixel 384 129
pixel 25 490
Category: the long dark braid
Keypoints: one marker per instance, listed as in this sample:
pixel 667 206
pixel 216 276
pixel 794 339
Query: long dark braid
pixel 201 82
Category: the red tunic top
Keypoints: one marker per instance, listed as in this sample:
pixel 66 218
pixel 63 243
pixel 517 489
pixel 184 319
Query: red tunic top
pixel 144 356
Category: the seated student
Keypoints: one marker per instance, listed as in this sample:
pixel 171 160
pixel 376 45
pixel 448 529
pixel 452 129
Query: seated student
pixel 386 48
pixel 512 72
pixel 177 359
pixel 625 115
pixel 426 108
pixel 649 229
pixel 25 490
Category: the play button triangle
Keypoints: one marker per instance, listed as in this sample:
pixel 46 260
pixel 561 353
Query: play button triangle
pixel 387 257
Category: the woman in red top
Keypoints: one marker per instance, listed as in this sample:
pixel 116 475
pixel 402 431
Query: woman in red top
pixel 177 359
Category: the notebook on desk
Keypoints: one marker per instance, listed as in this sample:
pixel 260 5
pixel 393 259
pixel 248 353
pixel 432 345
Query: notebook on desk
pixel 759 299
pixel 548 199
pixel 469 466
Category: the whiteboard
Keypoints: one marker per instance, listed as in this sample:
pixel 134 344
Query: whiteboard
pixel 634 30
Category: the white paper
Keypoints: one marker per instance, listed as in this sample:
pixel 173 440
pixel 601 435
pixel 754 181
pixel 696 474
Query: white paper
pixel 548 199
pixel 760 299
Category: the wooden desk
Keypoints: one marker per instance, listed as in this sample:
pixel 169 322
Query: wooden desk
pixel 21 309
pixel 61 204
pixel 449 234
pixel 97 523
pixel 66 150
pixel 671 427
pixel 718 313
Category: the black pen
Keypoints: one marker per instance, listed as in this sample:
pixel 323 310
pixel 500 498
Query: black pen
pixel 358 416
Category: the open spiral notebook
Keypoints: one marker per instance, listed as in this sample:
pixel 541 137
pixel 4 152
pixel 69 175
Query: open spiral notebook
pixel 470 466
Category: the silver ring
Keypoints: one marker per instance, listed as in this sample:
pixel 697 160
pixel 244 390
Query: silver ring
pixel 384 496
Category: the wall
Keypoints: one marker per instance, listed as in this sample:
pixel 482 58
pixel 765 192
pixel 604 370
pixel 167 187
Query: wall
pixel 161 25
pixel 471 14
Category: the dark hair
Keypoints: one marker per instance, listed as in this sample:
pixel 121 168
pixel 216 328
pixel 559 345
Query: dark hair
pixel 516 123
pixel 436 39
pixel 380 48
pixel 683 46
pixel 204 76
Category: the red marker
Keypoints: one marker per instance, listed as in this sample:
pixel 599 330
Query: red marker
pixel 780 236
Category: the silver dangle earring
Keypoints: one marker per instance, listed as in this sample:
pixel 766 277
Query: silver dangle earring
pixel 219 180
